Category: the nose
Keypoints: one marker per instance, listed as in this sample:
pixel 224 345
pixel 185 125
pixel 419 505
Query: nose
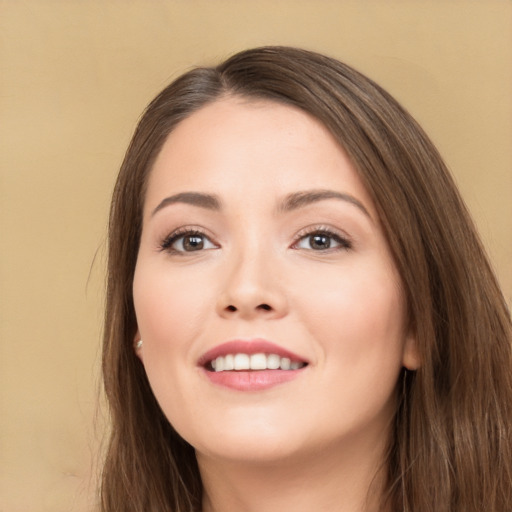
pixel 252 289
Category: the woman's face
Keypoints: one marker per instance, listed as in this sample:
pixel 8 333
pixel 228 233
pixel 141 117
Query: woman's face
pixel 262 255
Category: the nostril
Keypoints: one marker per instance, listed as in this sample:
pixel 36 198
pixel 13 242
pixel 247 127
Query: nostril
pixel 261 307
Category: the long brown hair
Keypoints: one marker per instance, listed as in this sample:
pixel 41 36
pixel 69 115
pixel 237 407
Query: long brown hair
pixel 451 448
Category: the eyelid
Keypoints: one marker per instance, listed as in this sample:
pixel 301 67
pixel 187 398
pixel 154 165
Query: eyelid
pixel 341 237
pixel 338 235
pixel 165 245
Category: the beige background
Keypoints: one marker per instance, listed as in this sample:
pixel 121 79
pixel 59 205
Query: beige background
pixel 74 77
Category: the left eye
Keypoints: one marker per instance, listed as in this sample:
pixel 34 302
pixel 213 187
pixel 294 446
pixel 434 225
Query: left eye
pixel 322 241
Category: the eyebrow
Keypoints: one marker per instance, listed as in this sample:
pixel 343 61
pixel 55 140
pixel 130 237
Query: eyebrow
pixel 302 199
pixel 208 201
pixel 291 202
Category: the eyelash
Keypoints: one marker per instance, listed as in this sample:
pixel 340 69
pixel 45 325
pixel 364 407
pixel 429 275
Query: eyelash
pixel 171 239
pixel 343 241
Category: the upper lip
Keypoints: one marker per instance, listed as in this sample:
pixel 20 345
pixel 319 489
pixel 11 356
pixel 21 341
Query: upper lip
pixel 253 346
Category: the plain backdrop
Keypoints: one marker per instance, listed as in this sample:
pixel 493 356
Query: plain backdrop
pixel 74 77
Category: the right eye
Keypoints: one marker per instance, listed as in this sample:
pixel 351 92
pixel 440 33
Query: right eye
pixel 188 241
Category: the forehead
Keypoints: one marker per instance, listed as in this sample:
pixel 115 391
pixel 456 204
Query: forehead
pixel 239 147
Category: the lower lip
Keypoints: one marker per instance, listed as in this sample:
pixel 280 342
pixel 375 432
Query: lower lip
pixel 258 380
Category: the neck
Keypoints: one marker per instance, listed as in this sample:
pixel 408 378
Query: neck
pixel 332 480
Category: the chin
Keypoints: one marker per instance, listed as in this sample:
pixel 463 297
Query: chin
pixel 256 451
pixel 247 441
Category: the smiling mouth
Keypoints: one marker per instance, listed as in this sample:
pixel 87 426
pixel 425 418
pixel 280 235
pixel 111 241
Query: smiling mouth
pixel 253 362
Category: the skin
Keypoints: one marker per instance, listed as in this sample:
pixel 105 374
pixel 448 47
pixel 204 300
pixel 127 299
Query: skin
pixel 318 441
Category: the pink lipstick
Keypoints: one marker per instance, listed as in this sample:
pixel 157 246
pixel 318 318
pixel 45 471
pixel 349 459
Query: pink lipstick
pixel 251 365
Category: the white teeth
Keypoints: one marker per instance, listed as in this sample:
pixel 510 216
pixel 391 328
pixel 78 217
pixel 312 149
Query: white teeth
pixel 254 362
pixel 242 362
pixel 229 362
pixel 285 363
pixel 258 362
pixel 273 362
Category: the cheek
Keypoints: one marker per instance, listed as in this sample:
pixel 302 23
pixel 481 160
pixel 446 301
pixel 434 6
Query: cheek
pixel 164 302
pixel 169 310
pixel 363 347
pixel 359 319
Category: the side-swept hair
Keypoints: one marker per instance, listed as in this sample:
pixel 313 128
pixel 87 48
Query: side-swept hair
pixel 451 446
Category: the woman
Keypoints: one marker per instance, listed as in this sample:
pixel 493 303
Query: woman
pixel 300 315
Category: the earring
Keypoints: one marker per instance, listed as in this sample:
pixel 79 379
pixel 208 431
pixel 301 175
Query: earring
pixel 138 345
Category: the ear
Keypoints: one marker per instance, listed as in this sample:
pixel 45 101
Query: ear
pixel 411 359
pixel 137 345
